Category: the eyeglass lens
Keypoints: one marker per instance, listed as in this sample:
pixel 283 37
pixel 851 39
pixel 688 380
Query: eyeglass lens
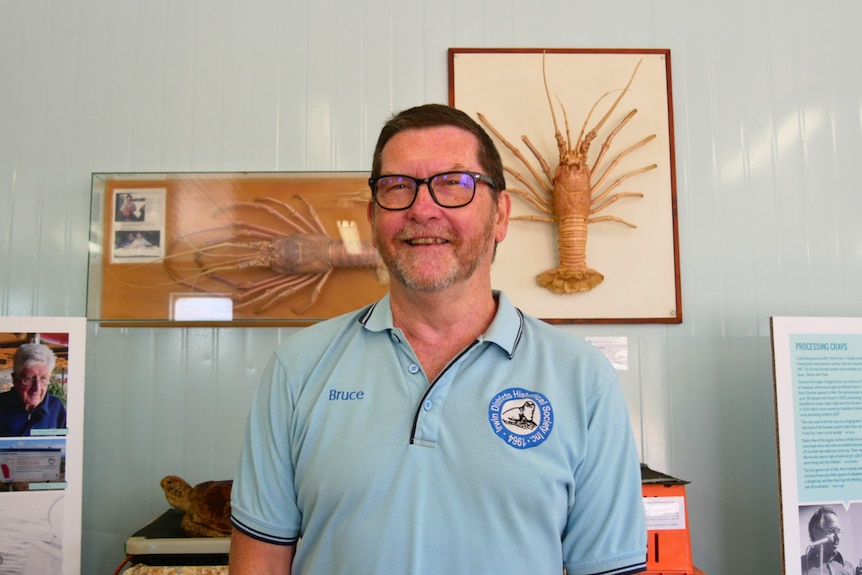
pixel 34 379
pixel 450 190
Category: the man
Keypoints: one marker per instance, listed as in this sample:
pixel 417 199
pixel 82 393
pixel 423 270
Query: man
pixel 439 430
pixel 28 405
pixel 822 556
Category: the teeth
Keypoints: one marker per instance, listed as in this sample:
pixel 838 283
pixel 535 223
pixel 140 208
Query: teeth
pixel 427 241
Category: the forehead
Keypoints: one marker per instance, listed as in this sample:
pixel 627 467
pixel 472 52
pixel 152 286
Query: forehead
pixel 431 150
pixel 35 367
pixel 829 519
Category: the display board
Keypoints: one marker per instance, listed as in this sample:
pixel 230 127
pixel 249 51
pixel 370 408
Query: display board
pixel 41 463
pixel 817 366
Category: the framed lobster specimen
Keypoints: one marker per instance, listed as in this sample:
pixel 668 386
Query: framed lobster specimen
pixel 284 248
pixel 586 137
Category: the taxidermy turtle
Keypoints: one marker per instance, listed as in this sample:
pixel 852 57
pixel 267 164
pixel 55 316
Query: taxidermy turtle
pixel 207 505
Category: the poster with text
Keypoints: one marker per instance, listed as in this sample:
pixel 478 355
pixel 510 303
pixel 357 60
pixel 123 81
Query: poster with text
pixel 41 444
pixel 817 368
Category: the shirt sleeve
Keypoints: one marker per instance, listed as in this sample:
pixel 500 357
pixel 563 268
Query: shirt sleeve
pixel 263 498
pixel 606 529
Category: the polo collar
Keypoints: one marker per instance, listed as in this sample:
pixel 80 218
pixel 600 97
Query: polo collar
pixel 505 330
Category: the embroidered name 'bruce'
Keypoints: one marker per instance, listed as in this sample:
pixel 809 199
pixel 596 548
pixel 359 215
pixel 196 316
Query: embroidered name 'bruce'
pixel 336 395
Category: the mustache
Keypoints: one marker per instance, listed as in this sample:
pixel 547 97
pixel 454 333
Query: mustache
pixel 412 232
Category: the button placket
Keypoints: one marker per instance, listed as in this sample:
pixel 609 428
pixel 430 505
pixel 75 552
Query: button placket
pixel 429 413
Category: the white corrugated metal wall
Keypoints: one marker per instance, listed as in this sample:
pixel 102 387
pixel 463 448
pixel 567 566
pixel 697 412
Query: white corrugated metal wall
pixel 767 110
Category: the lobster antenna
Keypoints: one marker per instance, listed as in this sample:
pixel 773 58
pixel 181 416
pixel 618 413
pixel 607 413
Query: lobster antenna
pixel 551 103
pixel 620 97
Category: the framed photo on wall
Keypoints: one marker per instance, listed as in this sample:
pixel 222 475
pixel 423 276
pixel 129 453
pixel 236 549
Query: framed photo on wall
pixel 586 137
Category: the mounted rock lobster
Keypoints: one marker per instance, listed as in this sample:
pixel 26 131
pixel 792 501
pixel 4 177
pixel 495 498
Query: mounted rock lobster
pixel 571 197
pixel 286 262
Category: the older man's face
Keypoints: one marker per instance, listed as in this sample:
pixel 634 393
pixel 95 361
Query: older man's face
pixel 428 247
pixel 31 384
pixel 829 526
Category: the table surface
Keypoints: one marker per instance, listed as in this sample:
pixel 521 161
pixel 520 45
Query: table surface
pixel 223 570
pixel 185 570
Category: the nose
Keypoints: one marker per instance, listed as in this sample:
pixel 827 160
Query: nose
pixel 423 201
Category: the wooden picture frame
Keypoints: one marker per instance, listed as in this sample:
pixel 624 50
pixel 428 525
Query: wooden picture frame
pixel 230 249
pixel 639 265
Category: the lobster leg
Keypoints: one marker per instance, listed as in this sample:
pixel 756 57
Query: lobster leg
pixel 517 153
pixel 278 290
pixel 274 295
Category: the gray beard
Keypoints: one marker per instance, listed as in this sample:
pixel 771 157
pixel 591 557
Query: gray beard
pixel 405 276
pixel 400 269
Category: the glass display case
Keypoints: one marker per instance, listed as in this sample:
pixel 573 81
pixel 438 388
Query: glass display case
pixel 283 248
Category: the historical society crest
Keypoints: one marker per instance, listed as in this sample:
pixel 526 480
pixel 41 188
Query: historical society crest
pixel 520 417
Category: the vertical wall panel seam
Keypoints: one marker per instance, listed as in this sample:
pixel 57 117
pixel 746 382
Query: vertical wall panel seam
pixel 6 234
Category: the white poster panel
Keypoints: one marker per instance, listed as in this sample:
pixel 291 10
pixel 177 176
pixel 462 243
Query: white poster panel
pixel 817 366
pixel 41 444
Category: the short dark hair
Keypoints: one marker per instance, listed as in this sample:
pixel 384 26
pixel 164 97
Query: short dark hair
pixel 434 116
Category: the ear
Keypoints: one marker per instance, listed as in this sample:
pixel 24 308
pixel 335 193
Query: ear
pixel 504 210
pixel 369 215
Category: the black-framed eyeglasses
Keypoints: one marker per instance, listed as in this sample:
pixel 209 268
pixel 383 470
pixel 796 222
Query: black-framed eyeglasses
pixel 448 190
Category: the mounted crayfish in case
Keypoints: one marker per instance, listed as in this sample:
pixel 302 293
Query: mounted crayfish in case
pixel 285 247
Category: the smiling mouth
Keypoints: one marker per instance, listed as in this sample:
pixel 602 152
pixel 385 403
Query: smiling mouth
pixel 426 241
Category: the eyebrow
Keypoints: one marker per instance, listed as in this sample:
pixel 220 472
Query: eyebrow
pixel 454 168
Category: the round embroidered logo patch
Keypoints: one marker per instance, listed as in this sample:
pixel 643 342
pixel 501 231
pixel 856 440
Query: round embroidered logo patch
pixel 520 417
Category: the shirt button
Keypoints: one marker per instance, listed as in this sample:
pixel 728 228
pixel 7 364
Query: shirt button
pixel 428 405
pixel 413 368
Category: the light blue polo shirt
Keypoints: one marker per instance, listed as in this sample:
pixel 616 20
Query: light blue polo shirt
pixel 518 458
